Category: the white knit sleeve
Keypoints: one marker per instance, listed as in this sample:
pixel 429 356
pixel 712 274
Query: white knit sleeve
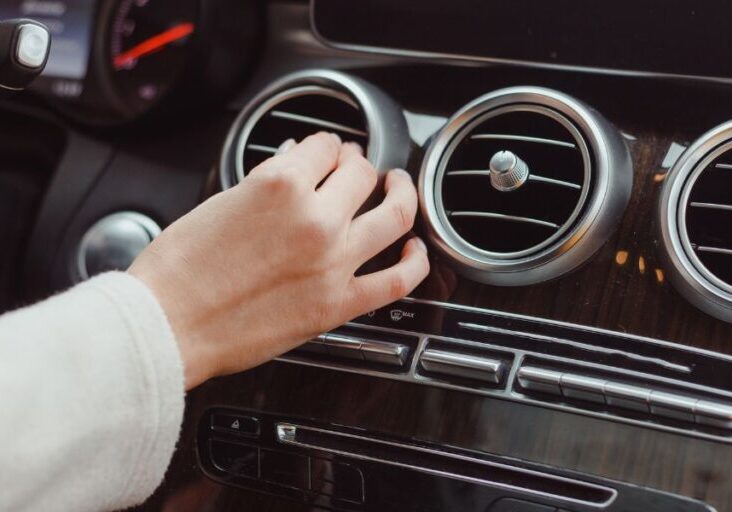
pixel 91 398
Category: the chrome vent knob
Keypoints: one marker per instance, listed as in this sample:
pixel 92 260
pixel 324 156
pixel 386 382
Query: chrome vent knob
pixel 508 172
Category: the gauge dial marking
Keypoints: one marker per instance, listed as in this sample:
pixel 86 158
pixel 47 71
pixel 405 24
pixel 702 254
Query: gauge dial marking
pixel 153 44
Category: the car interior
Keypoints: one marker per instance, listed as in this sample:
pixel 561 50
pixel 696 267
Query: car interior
pixel 571 349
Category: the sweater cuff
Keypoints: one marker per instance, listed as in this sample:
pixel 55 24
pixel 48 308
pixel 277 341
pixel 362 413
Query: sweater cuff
pixel 161 387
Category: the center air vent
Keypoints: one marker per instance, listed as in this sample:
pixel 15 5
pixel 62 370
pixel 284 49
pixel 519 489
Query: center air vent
pixel 306 102
pixel 523 185
pixel 696 214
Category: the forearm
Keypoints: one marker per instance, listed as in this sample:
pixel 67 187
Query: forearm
pixel 91 394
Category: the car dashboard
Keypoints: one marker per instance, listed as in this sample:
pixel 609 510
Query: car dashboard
pixel 571 348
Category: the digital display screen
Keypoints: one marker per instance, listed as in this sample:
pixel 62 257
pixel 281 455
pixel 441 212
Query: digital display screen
pixel 70 23
pixel 678 37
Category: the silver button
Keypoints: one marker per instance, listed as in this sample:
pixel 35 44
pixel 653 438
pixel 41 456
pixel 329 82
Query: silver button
pixel 540 379
pixel 507 171
pixel 677 407
pixel 624 396
pixel 343 346
pixel 33 45
pixel 713 414
pixel 463 365
pixel 393 354
pixel 582 388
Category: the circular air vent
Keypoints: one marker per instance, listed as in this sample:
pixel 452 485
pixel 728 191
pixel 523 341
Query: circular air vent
pixel 696 215
pixel 523 185
pixel 306 102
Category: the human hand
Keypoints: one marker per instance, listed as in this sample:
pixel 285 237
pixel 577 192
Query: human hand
pixel 268 264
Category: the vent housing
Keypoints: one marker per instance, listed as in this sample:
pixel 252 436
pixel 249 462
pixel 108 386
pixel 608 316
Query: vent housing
pixel 696 214
pixel 559 214
pixel 303 103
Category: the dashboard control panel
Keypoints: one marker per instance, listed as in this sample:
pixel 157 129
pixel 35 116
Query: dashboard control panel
pixel 346 469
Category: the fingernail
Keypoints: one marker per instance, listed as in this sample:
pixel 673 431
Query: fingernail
pixel 420 243
pixel 403 173
pixel 286 146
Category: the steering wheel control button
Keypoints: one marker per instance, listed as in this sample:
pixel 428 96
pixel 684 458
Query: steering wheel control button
pixel 507 171
pixel 235 424
pixel 33 45
pixel 114 242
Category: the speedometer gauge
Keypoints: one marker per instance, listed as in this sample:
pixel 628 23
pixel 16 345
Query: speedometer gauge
pixel 148 49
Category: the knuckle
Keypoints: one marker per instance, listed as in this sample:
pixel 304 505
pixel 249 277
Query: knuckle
pixel 365 168
pixel 404 216
pixel 398 287
pixel 279 181
pixel 319 228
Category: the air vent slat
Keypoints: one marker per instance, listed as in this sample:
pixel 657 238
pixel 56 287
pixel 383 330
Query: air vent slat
pixel 262 149
pixel 715 250
pixel 712 206
pixel 321 123
pixel 532 177
pixel 723 166
pixel 522 138
pixel 500 216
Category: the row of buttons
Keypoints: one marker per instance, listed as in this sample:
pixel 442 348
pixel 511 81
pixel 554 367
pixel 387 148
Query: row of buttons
pixel 625 396
pixel 464 366
pixel 349 347
pixel 321 476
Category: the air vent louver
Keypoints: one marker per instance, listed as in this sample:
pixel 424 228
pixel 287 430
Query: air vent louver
pixel 517 187
pixel 540 210
pixel 696 215
pixel 306 102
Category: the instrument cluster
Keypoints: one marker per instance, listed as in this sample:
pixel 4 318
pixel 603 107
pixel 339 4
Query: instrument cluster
pixel 113 61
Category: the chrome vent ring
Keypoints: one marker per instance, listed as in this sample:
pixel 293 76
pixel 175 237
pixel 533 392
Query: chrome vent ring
pixel 570 182
pixel 302 103
pixel 695 217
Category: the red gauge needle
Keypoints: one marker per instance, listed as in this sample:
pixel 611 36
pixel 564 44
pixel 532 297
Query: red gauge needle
pixel 153 43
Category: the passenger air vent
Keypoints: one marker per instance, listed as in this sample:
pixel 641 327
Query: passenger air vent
pixel 306 102
pixel 523 185
pixel 696 215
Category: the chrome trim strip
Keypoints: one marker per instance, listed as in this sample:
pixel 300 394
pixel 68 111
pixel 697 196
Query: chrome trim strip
pixel 723 166
pixel 569 325
pixel 287 434
pixel 501 216
pixel 540 337
pixel 522 138
pixel 317 122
